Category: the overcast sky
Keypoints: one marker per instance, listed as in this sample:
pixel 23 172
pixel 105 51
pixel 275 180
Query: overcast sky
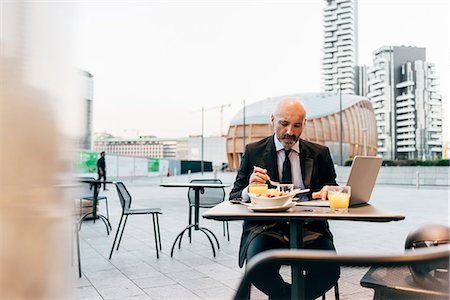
pixel 156 63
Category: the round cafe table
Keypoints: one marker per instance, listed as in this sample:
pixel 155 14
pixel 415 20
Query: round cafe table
pixel 198 188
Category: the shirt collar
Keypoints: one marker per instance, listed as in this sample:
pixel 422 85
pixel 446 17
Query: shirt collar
pixel 279 146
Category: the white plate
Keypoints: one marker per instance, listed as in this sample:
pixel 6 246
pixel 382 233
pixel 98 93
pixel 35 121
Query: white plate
pixel 271 208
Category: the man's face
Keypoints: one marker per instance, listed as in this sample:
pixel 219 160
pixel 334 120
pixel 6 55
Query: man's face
pixel 288 126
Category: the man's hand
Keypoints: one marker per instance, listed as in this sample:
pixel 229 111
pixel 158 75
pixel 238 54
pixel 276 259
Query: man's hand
pixel 259 175
pixel 322 194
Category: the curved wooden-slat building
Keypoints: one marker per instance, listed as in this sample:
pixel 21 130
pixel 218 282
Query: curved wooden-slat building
pixel 323 125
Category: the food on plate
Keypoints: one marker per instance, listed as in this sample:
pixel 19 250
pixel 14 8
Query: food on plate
pixel 272 193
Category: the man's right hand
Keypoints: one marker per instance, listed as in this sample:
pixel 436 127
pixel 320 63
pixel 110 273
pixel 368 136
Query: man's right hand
pixel 259 175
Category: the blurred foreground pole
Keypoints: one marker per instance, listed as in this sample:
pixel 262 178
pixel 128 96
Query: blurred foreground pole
pixel 37 105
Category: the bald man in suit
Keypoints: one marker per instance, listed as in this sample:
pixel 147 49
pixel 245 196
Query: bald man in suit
pixel 285 157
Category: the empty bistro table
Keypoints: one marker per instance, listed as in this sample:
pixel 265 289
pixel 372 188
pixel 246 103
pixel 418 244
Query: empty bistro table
pixel 198 188
pixel 95 215
pixel 297 216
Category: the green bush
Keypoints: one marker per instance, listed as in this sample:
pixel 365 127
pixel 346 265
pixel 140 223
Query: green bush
pixel 409 162
pixel 443 162
pixel 388 163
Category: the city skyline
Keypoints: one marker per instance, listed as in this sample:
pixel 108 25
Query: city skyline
pixel 153 53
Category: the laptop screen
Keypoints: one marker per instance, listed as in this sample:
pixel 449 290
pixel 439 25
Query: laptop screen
pixel 362 178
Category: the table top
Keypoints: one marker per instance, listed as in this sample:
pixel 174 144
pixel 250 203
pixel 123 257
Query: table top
pixel 94 181
pixel 399 279
pixel 226 211
pixel 194 184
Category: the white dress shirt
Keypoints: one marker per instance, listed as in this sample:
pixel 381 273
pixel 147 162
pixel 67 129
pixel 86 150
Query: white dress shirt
pixel 294 157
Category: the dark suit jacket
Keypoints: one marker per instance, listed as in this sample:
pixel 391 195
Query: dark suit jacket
pixel 101 164
pixel 317 170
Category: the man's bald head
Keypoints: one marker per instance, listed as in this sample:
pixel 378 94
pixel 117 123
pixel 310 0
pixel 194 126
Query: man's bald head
pixel 290 105
pixel 288 121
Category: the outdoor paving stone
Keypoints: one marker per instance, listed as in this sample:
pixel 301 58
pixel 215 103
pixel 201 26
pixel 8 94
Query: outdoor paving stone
pixel 232 264
pixel 113 281
pixel 216 292
pixel 171 292
pixel 98 275
pixel 181 276
pixel 138 297
pixel 256 294
pixel 195 260
pixel 80 282
pixel 119 292
pixel 86 292
pixel 92 298
pixel 232 282
pixel 154 281
pixel 95 264
pixel 217 271
pixel 200 283
pixel 170 266
pixel 125 261
pixel 139 271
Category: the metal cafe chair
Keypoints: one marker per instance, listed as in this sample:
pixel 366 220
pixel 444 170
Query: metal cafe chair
pixel 87 194
pixel 210 198
pixel 125 202
pixel 430 256
pixel 77 242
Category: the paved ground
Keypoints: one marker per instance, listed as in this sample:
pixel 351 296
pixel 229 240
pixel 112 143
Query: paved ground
pixel 134 272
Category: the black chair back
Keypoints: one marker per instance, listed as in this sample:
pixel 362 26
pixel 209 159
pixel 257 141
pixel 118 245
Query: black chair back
pixel 211 196
pixel 124 196
pixel 429 256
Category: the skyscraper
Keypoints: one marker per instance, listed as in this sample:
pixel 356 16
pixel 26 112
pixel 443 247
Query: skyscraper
pixel 88 96
pixel 402 87
pixel 340 46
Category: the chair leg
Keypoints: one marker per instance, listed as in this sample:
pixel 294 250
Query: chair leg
pixel 213 235
pixel 190 223
pixel 159 233
pixel 228 231
pixel 156 236
pixel 115 238
pixel 121 234
pixel 223 228
pixel 77 236
pixel 107 209
pixel 336 291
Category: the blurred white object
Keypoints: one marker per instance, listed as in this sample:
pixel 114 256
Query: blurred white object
pixel 36 94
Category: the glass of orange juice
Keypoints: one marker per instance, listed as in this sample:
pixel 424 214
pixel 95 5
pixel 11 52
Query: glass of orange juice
pixel 258 188
pixel 339 197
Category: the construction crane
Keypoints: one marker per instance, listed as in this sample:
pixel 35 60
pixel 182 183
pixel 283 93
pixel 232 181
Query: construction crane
pixel 220 108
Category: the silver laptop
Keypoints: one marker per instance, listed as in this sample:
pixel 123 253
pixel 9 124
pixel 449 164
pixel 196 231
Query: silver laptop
pixel 362 178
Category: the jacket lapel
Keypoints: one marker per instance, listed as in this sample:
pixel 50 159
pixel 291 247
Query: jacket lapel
pixel 306 163
pixel 270 160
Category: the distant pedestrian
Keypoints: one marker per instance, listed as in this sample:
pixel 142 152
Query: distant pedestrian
pixel 101 169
